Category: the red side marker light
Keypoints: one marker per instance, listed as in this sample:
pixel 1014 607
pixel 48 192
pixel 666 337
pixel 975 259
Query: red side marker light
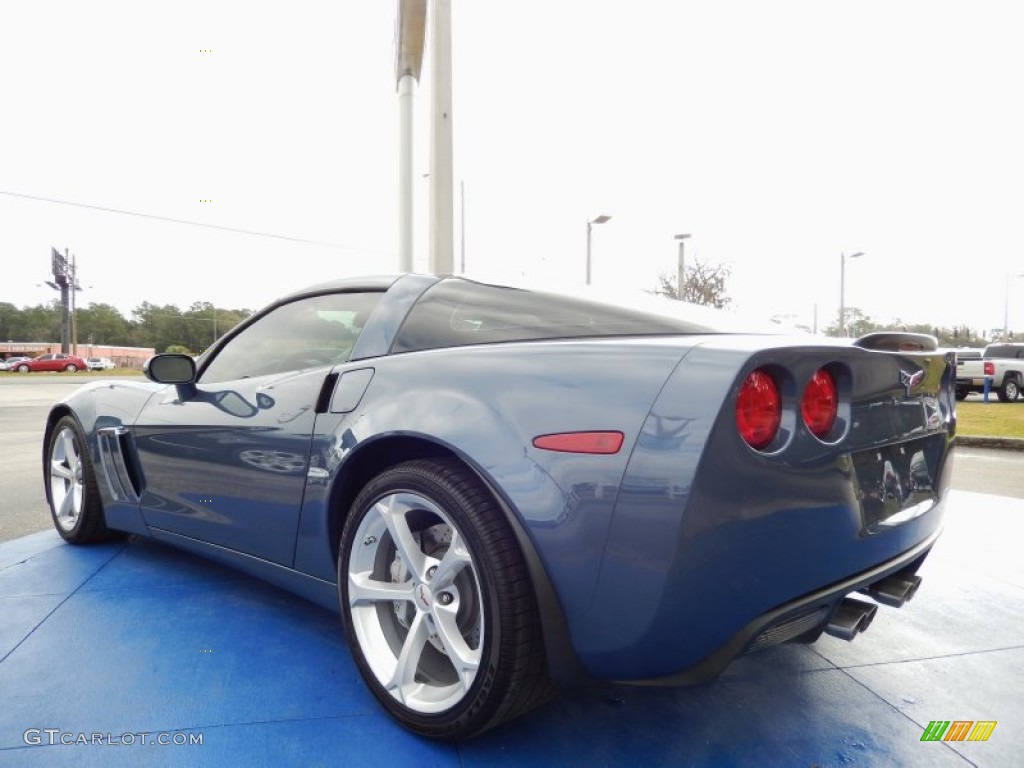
pixel 580 442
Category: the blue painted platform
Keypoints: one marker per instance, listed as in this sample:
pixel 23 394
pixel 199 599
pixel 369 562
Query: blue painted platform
pixel 137 638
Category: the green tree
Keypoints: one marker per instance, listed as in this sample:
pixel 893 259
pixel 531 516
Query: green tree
pixel 159 326
pixel 103 324
pixel 10 322
pixel 38 323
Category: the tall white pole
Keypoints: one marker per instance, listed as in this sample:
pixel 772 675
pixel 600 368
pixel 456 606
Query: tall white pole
pixel 406 85
pixel 681 281
pixel 842 294
pixel 590 222
pixel 441 193
pixel 681 278
pixel 1006 311
pixel 462 227
pixel 842 288
pixel 589 227
pixel 410 33
pixel 1006 306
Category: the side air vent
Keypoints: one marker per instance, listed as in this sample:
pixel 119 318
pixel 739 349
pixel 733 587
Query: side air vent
pixel 119 468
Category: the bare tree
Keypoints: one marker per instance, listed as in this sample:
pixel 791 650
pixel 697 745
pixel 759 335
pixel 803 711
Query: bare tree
pixel 705 284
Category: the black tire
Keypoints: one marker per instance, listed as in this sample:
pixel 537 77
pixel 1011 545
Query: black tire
pixel 961 394
pixel 70 367
pixel 71 492
pixel 455 546
pixel 23 368
pixel 1010 390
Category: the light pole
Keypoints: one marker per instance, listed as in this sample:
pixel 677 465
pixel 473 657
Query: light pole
pixel 681 280
pixel 1006 307
pixel 411 34
pixel 842 288
pixel 599 220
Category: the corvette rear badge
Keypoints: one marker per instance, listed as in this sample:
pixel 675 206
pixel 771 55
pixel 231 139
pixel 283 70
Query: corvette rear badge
pixel 911 380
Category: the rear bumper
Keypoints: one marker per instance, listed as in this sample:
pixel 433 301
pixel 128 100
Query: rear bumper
pixel 804 617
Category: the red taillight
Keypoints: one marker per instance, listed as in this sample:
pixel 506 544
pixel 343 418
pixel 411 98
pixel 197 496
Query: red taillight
pixel 580 442
pixel 819 404
pixel 758 409
pixel 990 368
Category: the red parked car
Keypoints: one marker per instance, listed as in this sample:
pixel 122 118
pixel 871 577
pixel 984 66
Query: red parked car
pixel 53 362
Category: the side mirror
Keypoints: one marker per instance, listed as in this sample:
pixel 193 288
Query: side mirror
pixel 176 369
pixel 170 369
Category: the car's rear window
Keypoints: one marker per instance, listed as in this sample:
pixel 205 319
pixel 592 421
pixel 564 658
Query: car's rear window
pixel 459 312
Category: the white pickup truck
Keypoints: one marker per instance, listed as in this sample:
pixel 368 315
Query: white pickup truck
pixel 1003 363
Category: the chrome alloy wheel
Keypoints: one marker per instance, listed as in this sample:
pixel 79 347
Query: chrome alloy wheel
pixel 67 488
pixel 415 602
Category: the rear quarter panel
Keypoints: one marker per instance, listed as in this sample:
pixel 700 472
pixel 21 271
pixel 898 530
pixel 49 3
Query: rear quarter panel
pixel 486 404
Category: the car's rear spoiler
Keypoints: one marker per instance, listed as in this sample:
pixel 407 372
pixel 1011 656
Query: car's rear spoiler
pixel 898 341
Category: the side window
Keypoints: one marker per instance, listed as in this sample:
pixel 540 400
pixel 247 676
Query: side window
pixel 311 332
pixel 456 313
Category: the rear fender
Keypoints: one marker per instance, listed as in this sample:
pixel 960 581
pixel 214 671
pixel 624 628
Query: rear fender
pixel 562 501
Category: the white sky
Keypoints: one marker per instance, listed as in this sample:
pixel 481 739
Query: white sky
pixel 779 134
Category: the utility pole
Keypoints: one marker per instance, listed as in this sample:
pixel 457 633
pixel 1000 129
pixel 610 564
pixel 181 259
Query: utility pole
pixel 590 225
pixel 842 288
pixel 681 280
pixel 441 204
pixel 412 24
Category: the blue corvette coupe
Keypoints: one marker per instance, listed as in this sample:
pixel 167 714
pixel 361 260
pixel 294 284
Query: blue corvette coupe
pixel 507 491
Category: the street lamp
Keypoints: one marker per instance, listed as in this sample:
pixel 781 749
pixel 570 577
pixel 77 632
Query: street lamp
pixel 842 288
pixel 1006 307
pixel 599 220
pixel 681 281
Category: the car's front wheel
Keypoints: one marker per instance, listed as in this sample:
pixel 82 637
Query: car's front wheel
pixel 70 367
pixel 437 602
pixel 71 486
pixel 23 368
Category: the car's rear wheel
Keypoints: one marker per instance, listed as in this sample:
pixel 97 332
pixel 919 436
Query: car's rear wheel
pixel 71 486
pixel 438 607
pixel 70 367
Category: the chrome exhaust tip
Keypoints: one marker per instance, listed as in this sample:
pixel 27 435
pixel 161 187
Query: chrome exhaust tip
pixel 894 590
pixel 850 618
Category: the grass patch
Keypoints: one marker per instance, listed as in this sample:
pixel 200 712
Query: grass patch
pixel 110 373
pixel 992 419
